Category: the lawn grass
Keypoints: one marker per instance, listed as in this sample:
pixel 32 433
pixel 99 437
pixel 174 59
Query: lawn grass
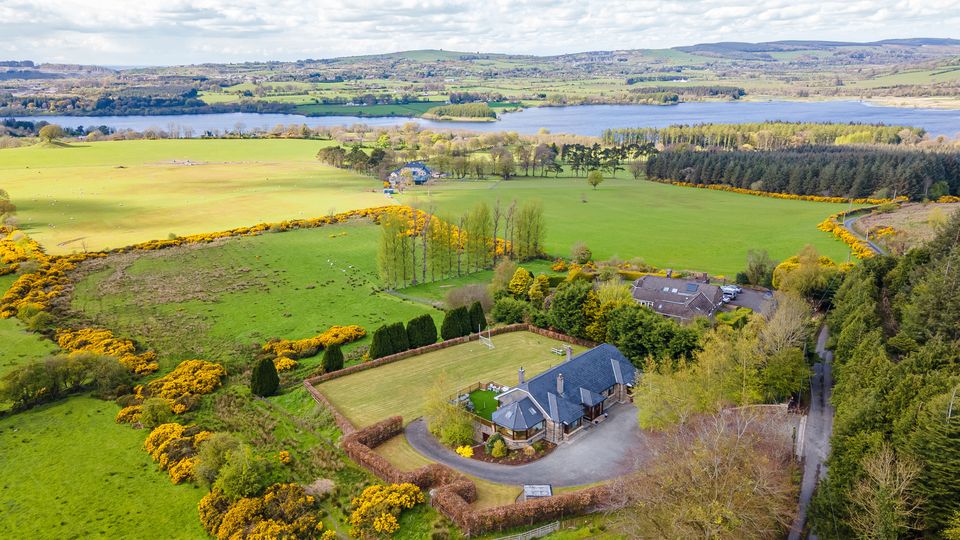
pixel 112 194
pixel 68 471
pixel 668 226
pixel 436 291
pixel 398 388
pixel 215 301
pixel 484 403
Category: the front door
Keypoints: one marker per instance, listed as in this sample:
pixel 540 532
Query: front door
pixel 595 411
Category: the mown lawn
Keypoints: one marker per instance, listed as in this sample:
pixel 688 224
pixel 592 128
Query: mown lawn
pixel 218 301
pixel 399 388
pixel 668 226
pixel 112 194
pixel 68 471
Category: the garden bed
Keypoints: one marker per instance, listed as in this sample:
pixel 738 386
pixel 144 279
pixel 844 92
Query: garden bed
pixel 515 457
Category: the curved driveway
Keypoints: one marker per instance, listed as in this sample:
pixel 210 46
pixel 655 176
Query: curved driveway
pixel 602 452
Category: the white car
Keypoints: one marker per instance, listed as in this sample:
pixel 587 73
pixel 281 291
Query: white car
pixel 731 290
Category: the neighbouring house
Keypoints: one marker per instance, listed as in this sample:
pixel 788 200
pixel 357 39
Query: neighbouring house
pixel 417 171
pixel 560 401
pixel 679 299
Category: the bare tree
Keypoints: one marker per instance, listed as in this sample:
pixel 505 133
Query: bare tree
pixel 882 505
pixel 788 326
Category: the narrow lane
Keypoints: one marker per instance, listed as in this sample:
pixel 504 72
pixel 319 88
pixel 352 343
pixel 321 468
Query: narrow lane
pixel 819 428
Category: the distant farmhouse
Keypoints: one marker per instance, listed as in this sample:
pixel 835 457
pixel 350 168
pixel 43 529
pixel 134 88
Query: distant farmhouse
pixel 414 170
pixel 680 299
pixel 560 401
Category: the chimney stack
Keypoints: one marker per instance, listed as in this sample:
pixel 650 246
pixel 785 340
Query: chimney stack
pixel 520 375
pixel 569 353
pixel 560 384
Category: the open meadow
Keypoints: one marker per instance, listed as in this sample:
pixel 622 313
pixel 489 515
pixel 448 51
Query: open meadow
pixel 214 301
pixel 665 225
pixel 69 471
pixel 399 388
pixel 112 194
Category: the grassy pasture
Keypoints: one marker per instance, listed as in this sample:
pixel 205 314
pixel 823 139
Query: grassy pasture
pixel 111 194
pixel 17 345
pixel 398 388
pixel 668 226
pixel 214 301
pixel 68 471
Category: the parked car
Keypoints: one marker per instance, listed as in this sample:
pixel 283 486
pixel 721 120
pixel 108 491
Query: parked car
pixel 731 290
pixel 726 298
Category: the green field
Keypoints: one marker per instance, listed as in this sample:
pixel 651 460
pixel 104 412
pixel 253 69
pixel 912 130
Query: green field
pixel 214 301
pixel 112 194
pixel 17 345
pixel 68 471
pixel 668 226
pixel 398 389
pixel 484 403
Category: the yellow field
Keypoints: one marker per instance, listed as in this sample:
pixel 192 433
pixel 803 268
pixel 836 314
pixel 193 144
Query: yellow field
pixel 110 194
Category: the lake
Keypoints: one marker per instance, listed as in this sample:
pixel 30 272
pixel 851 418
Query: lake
pixel 580 119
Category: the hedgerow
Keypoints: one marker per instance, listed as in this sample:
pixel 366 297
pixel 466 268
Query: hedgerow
pixel 286 352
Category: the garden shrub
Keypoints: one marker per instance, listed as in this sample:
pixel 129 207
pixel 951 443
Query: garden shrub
pixel 421 331
pixel 456 323
pixel 465 451
pixel 478 320
pixel 510 310
pixel 488 447
pixel 499 449
pixel 580 253
pixel 264 380
pixel 332 358
pixel 520 283
pixel 376 510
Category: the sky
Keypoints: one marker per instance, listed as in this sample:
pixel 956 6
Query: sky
pixel 173 32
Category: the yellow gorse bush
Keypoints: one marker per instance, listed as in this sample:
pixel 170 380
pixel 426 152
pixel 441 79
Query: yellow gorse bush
pixel 283 511
pixel 182 386
pixel 790 196
pixel 102 341
pixel 288 351
pixel 834 224
pixel 174 448
pixel 376 509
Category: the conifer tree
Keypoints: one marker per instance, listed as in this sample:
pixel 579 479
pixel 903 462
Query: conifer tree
pixel 264 380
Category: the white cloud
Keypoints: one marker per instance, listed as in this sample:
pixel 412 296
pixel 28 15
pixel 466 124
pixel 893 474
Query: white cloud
pixel 190 31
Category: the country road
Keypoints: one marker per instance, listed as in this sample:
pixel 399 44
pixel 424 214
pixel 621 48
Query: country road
pixel 819 428
pixel 848 224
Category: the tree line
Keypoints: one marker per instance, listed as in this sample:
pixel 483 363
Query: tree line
pixel 732 92
pixel 893 468
pixel 433 249
pixel 815 170
pixel 764 135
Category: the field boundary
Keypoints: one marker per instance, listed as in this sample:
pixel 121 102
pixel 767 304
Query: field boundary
pixel 452 492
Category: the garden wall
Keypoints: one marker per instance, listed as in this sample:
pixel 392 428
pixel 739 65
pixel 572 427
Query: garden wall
pixel 453 492
pixel 520 327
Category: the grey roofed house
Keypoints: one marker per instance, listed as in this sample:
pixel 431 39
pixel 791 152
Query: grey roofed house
pixel 680 299
pixel 557 401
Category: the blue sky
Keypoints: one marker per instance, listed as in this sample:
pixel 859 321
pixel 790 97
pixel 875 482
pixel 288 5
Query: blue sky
pixel 148 32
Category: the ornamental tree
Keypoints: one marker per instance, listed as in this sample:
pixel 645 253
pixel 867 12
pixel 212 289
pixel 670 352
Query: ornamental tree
pixel 264 380
pixel 332 359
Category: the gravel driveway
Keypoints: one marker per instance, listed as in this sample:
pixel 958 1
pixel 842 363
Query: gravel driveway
pixel 605 451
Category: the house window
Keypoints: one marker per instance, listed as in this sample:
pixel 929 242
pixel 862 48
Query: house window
pixel 567 428
pixel 647 303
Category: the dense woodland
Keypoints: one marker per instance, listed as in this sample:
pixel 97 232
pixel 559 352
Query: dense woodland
pixel 764 135
pixel 896 445
pixel 835 171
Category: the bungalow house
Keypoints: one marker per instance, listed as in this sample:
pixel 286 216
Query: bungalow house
pixel 560 401
pixel 415 170
pixel 679 299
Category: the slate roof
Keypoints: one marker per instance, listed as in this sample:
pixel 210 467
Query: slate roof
pixel 518 415
pixel 585 376
pixel 678 298
pixel 419 166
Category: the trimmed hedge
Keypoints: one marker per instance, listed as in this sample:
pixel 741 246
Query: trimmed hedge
pixel 264 380
pixel 332 358
pixel 421 331
pixel 389 339
pixel 478 320
pixel 456 323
